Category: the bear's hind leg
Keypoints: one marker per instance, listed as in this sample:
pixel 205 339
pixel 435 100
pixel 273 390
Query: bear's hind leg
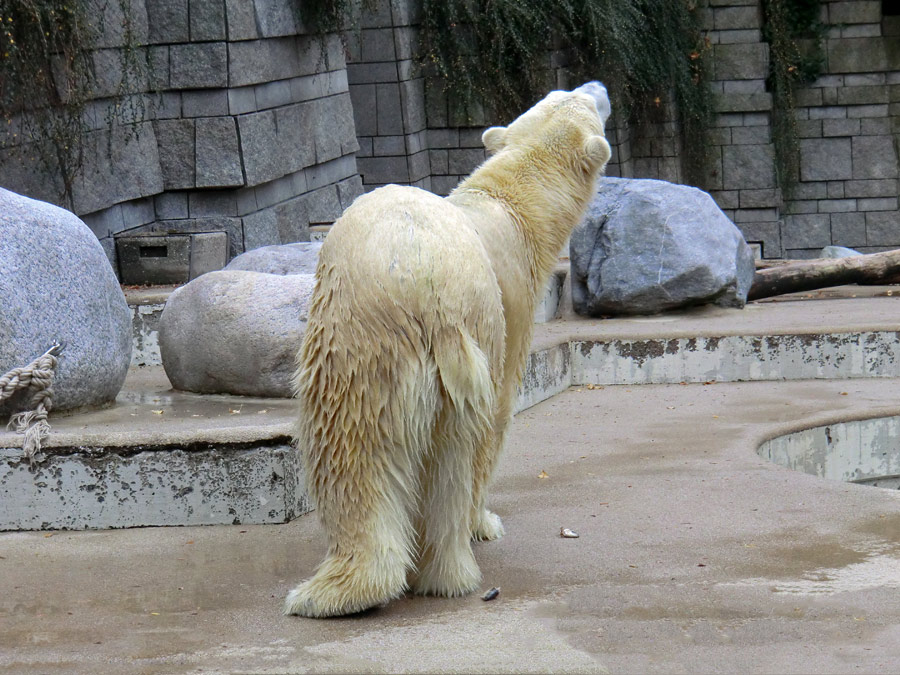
pixel 364 447
pixel 447 564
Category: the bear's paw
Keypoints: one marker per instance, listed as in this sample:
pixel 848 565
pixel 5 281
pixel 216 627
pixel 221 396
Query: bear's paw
pixel 449 575
pixel 489 527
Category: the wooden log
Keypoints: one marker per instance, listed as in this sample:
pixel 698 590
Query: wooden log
pixel 808 275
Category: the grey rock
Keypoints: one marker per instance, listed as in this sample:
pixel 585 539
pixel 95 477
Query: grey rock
pixel 276 18
pixel 646 246
pixel 261 229
pixel 120 164
pixel 825 159
pixel 838 252
pixel 240 20
pixel 323 205
pixel 296 128
pixel 57 285
pixel 299 258
pixel 235 332
pixel 268 60
pixel 292 219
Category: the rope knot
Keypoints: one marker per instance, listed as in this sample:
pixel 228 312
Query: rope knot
pixel 32 423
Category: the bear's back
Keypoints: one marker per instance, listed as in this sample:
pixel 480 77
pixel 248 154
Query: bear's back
pixel 410 245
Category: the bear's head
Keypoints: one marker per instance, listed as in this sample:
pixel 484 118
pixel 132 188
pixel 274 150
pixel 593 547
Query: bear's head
pixel 568 121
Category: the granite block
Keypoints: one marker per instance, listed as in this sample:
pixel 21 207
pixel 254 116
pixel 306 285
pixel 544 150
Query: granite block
pixel 242 100
pixel 807 231
pixel 825 159
pixel 170 205
pixel 260 150
pixel 198 66
pixel 276 18
pixel 241 20
pixel 322 205
pixel 207 20
pixel 883 228
pixel 871 188
pixel 848 229
pixel 204 103
pixel 168 21
pixel 296 135
pixel 207 203
pixel 874 157
pixel 748 167
pixel 218 156
pixel 741 61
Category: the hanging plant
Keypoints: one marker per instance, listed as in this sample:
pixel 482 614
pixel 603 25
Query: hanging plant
pixel 496 52
pixel 796 57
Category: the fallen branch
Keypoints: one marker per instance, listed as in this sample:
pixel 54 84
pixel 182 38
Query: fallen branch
pixel 808 275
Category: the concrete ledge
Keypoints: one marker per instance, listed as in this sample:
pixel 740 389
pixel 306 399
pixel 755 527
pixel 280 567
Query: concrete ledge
pixel 108 487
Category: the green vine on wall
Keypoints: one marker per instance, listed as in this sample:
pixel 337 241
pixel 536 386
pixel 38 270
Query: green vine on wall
pixel 795 34
pixel 47 78
pixel 646 51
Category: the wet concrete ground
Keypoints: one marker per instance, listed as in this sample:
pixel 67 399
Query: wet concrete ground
pixel 694 555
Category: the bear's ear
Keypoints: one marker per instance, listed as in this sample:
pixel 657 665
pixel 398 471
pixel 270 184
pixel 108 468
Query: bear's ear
pixel 596 150
pixel 494 138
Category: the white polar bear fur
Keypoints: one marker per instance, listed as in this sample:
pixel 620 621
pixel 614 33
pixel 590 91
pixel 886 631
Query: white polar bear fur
pixel 419 330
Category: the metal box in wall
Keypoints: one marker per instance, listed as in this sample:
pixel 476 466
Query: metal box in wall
pixel 159 259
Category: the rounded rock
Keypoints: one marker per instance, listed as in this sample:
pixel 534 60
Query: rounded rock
pixel 57 284
pixel 297 258
pixel 235 332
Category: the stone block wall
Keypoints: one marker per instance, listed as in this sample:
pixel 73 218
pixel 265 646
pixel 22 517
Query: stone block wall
pixel 742 178
pixel 248 130
pixel 849 123
pixel 402 121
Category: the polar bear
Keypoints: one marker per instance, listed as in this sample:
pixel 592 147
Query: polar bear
pixel 419 329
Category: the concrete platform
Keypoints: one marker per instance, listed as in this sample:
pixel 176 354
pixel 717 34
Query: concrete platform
pixel 695 554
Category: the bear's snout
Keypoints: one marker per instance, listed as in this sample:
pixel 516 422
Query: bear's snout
pixel 597 91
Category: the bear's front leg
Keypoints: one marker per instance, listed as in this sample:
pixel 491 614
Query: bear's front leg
pixel 486 525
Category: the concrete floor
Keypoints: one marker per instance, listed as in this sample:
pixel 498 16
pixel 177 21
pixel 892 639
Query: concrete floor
pixel 695 555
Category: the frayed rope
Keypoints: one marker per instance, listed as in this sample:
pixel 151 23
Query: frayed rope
pixel 33 424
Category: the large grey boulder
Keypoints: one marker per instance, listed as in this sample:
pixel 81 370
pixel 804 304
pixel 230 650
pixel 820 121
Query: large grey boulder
pixel 235 332
pixel 646 246
pixel 56 283
pixel 298 258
